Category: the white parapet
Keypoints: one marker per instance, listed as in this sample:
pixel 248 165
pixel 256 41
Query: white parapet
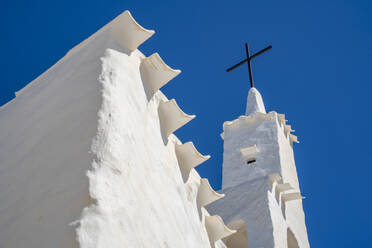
pixel 282 188
pixel 249 153
pixel 188 157
pixel 240 238
pixel 172 117
pixel 275 177
pixel 156 72
pixel 281 118
pixel 206 194
pixel 289 197
pixel 216 229
pixel 292 196
pixel 290 129
pixel 287 130
pixel 128 33
pixel 293 138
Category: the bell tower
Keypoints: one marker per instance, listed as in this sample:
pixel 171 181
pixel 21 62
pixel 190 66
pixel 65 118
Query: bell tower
pixel 262 200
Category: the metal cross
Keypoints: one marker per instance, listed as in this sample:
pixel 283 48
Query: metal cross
pixel 248 60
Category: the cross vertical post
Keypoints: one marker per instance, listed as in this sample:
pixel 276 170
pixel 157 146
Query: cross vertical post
pixel 249 65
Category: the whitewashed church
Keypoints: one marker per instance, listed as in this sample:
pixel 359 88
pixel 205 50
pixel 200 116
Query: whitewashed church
pixel 88 159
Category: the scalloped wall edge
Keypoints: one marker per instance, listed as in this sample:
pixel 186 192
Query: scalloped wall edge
pixel 289 197
pixel 116 22
pixel 127 32
pixel 287 129
pixel 292 196
pixel 281 118
pixel 156 72
pixel 293 138
pixel 188 157
pixel 206 194
pixel 275 177
pixel 189 150
pixel 171 116
pixel 280 188
pixel 247 119
pixel 216 228
pixel 107 26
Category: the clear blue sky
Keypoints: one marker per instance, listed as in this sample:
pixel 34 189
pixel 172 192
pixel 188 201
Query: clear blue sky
pixel 318 74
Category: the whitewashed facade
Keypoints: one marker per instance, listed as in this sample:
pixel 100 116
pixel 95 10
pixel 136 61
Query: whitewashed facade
pixel 88 157
pixel 263 200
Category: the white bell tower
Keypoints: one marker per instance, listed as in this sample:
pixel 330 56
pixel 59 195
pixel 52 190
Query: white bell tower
pixel 262 195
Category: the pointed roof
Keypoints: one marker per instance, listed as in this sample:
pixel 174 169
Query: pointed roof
pixel 254 102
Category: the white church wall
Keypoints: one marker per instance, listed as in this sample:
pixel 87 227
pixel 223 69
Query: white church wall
pixel 141 197
pixel 278 221
pixel 246 185
pixel 245 132
pixel 45 138
pixel 294 213
pixel 249 202
pixel 93 111
pixel 260 179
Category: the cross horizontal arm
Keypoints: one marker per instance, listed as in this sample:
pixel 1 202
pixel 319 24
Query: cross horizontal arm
pixel 251 57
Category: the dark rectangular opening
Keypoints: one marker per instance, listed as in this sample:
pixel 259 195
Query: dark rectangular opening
pixel 251 161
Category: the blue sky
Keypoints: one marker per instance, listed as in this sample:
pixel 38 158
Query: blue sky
pixel 318 74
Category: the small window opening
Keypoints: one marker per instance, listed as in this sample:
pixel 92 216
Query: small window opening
pixel 249 154
pixel 251 161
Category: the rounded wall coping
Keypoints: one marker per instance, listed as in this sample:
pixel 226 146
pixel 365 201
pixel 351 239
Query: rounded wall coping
pixel 127 32
pixel 172 117
pixel 216 228
pixel 188 156
pixel 156 72
pixel 206 194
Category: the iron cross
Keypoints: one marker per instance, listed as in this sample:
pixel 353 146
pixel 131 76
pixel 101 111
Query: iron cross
pixel 248 60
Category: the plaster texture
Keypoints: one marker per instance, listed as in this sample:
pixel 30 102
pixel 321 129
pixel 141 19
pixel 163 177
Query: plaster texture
pixel 88 155
pixel 264 194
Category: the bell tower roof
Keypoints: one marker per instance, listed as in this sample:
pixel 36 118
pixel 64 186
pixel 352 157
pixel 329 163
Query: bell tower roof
pixel 254 103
